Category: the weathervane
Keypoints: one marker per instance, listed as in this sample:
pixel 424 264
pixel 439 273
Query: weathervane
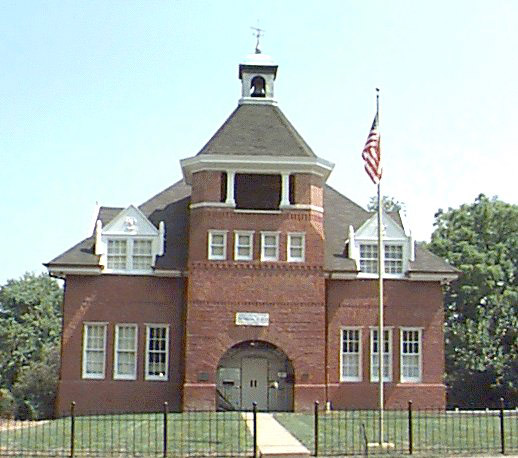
pixel 258 34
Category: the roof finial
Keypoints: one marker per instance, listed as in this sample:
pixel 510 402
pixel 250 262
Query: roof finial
pixel 258 34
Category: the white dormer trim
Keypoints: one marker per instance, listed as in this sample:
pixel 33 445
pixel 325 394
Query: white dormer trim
pixel 393 235
pixel 127 229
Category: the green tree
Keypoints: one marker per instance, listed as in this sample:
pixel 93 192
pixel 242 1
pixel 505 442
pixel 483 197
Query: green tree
pixel 30 329
pixel 390 204
pixel 481 328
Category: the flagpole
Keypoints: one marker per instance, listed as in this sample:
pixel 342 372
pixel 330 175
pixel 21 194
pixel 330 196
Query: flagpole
pixel 381 268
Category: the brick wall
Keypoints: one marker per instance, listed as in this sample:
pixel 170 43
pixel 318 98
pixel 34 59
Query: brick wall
pixel 120 299
pixel 407 304
pixel 309 189
pixel 206 187
pixel 293 294
pixel 203 219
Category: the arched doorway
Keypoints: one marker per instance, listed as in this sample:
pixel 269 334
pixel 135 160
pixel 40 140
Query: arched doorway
pixel 255 371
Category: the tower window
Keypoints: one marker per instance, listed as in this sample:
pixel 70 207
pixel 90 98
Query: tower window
pixel 223 187
pixel 257 191
pixel 258 87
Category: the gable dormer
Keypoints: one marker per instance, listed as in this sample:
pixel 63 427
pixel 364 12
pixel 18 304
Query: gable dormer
pixel 398 247
pixel 129 243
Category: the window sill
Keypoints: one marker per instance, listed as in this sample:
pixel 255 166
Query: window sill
pixel 128 272
pixel 258 212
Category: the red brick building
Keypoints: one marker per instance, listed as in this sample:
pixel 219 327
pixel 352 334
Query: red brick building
pixel 248 280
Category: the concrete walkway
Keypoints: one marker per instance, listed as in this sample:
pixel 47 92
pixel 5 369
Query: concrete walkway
pixel 273 440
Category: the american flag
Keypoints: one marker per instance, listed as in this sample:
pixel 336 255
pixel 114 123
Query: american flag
pixel 372 154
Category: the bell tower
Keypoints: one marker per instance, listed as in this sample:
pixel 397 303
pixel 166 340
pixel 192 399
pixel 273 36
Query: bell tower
pixel 256 284
pixel 257 74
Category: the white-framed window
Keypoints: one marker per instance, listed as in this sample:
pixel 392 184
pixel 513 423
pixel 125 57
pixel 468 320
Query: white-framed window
pixel 369 258
pixel 117 254
pixel 129 254
pixel 217 245
pixel 142 258
pixel 157 352
pixel 296 247
pixel 411 362
pixel 269 246
pixel 243 245
pixel 393 258
pixel 94 350
pixel 351 355
pixel 387 355
pixel 125 358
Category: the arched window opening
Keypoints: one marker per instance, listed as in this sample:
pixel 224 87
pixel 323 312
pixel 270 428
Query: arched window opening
pixel 258 87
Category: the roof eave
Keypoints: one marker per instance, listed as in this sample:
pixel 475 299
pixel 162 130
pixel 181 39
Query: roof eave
pixel 255 164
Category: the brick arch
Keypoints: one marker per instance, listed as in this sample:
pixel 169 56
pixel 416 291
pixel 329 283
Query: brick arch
pixel 247 362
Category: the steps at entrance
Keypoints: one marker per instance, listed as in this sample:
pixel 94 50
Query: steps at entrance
pixel 273 440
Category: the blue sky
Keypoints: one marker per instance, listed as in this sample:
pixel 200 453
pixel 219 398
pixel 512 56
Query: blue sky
pixel 100 100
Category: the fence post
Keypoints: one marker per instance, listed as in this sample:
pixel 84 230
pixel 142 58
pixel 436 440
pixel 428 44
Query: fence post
pixel 165 429
pixel 254 404
pixel 316 427
pixel 502 430
pixel 410 430
pixel 72 427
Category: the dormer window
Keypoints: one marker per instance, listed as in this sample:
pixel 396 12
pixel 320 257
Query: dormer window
pixel 129 243
pixel 258 87
pixel 117 255
pixel 129 254
pixel 398 248
pixel 369 258
pixel 394 259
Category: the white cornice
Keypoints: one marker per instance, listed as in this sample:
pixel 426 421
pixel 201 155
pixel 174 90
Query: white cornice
pixel 255 164
pixel 210 204
pixel 169 273
pixel 342 275
pixel 411 276
pixel 443 277
pixel 315 208
pixel 256 101
pixel 63 271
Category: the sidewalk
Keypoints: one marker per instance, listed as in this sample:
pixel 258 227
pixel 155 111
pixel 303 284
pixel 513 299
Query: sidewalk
pixel 273 440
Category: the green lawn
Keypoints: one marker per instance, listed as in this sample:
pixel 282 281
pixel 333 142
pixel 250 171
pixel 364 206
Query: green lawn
pixel 434 433
pixel 188 434
pixel 225 434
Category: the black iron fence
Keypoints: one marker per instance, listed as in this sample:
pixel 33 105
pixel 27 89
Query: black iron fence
pixel 163 434
pixel 424 432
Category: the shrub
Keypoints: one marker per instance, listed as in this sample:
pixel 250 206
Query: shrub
pixel 36 386
pixel 7 404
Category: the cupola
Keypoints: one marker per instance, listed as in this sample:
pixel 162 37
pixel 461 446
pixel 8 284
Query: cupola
pixel 257 74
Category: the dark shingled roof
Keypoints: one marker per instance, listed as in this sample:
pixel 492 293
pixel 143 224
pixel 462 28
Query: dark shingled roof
pixel 339 213
pixel 427 262
pixel 172 207
pixel 257 130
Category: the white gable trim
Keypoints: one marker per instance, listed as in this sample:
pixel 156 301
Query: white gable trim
pixel 393 234
pixel 391 230
pixel 129 225
pixel 130 221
